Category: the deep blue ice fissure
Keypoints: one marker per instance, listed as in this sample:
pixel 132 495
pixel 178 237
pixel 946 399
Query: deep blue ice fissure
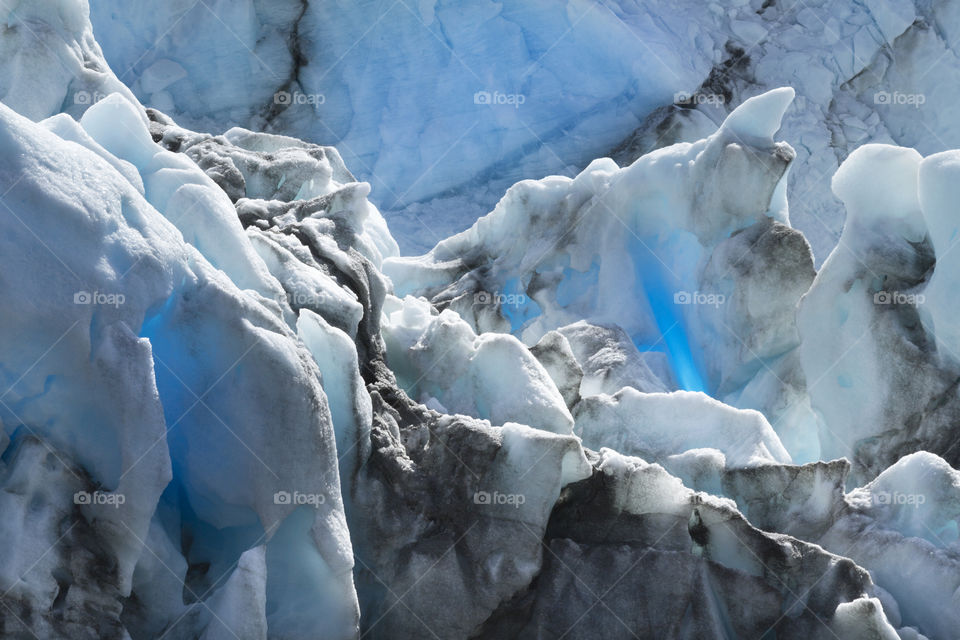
pixel 669 318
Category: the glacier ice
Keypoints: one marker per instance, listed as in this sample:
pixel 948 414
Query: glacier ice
pixel 500 84
pixel 903 525
pixel 424 99
pixel 936 186
pixel 716 274
pixel 873 366
pixel 655 425
pixel 555 353
pixel 647 218
pixel 491 375
pixel 232 409
pixel 609 360
pixel 692 543
pixel 50 61
pixel 498 490
pixel 144 320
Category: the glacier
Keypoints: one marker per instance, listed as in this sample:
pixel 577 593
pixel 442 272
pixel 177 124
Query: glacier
pixel 650 375
pixel 526 90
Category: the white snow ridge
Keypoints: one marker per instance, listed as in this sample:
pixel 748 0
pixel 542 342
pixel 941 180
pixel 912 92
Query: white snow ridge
pixel 461 319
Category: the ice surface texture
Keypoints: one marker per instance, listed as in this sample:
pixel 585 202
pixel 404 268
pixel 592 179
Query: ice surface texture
pixel 441 105
pixel 230 409
pixel 140 392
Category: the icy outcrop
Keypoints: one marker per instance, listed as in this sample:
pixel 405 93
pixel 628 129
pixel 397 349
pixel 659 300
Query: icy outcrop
pixel 937 193
pixel 472 538
pixel 350 406
pixel 919 496
pixel 268 176
pixel 182 193
pixel 875 370
pixel 610 361
pixel 667 275
pixel 762 271
pixel 721 288
pixel 147 345
pixel 50 61
pixel 799 500
pixel 655 220
pixel 634 519
pixel 439 360
pixel 657 426
pixel 903 526
pixel 453 105
pixel 487 491
pixel 554 352
pixel 225 415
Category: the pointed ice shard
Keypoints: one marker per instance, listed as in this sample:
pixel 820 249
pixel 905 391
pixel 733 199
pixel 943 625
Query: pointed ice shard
pixel 758 119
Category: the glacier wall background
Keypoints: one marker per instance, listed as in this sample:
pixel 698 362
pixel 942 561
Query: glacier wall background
pixel 423 99
pixel 300 449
